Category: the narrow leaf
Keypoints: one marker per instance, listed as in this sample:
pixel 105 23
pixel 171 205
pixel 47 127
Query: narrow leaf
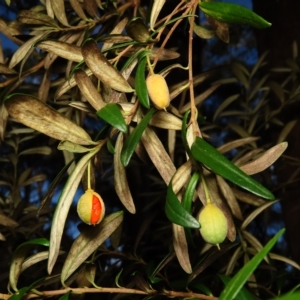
pixel 181 248
pixel 19 257
pixel 58 7
pixel 156 8
pixel 266 160
pixel 237 282
pixel 188 196
pixel 134 138
pixel 140 83
pixel 62 49
pixel 158 154
pixel 233 13
pixel 176 213
pixel 63 206
pixel 43 118
pixel 213 159
pixel 111 114
pixel 294 296
pixel 88 241
pixel 103 69
pixel 120 178
pixel 243 294
pixel 88 89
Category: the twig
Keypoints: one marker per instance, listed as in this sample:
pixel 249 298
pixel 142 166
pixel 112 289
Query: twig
pixel 171 294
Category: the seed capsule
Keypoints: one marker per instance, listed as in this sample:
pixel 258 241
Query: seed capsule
pixel 90 207
pixel 213 223
pixel 158 91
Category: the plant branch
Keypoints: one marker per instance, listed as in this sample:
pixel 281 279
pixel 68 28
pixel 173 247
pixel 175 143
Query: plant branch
pixel 196 129
pixel 170 294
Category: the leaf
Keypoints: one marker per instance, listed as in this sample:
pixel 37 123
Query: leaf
pixel 134 138
pixel 88 242
pixel 21 52
pixel 88 90
pixel 44 150
pixel 266 160
pixel 67 85
pixel 36 18
pixel 286 130
pixel 203 32
pixel 3 120
pixel 165 120
pixel 112 115
pixel 58 7
pixel 71 147
pixel 200 98
pixel 187 201
pixel 158 155
pixel 230 198
pixel 140 83
pixel 65 296
pixel 255 213
pixel 181 248
pixel 237 282
pixel 294 296
pixel 20 294
pixel 155 10
pixel 64 203
pixel 120 178
pixel 243 294
pixel 19 257
pixel 188 196
pixel 7 221
pixel 102 68
pixel 43 118
pixel 176 213
pixel 221 29
pixel 78 9
pixel 62 49
pixel 213 159
pixel 35 258
pixel 224 104
pixel 233 13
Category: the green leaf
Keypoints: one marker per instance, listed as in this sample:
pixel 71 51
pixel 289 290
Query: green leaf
pixel 112 115
pixel 140 82
pixel 65 296
pixel 20 293
pixel 18 258
pixel 40 241
pixel 295 296
pixel 237 282
pixel 213 159
pixel 135 137
pixel 233 13
pixel 243 294
pixel 187 201
pixel 176 213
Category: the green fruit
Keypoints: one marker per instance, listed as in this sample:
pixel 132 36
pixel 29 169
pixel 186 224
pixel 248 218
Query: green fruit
pixel 213 223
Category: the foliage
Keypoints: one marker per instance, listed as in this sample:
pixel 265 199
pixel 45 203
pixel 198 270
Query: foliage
pixel 79 77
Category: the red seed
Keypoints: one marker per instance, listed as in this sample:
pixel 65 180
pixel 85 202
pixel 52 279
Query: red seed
pixel 96 210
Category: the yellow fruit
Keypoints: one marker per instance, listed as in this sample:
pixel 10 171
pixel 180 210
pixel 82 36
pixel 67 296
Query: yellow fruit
pixel 213 223
pixel 90 207
pixel 158 91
